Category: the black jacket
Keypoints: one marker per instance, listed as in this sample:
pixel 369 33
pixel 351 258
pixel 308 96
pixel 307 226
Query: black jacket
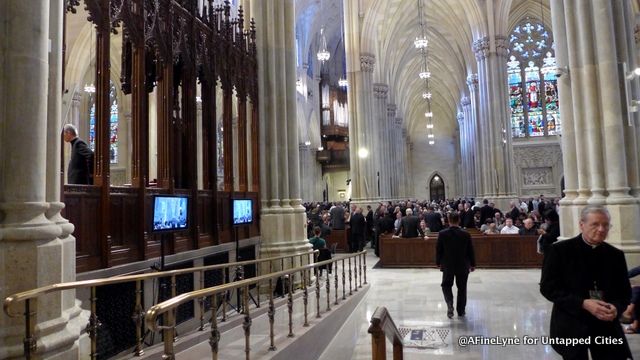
pixel 454 250
pixel 410 227
pixel 80 168
pixel 570 269
pixel 434 221
pixel 358 224
pixel 467 220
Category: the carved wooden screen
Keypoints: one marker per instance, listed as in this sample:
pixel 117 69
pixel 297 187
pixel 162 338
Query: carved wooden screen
pixel 183 52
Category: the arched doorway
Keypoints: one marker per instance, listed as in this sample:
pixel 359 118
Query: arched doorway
pixel 436 188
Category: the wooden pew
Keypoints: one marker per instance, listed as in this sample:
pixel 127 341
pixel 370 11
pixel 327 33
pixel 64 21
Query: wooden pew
pixel 339 237
pixel 491 251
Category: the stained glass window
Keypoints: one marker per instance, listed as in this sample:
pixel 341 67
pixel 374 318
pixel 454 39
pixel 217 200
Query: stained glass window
pixel 533 89
pixel 113 124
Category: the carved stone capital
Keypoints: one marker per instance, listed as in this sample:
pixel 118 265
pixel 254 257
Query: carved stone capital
pixel 367 61
pixel 380 91
pixel 391 110
pixel 502 45
pixel 398 121
pixel 465 101
pixel 481 48
pixel 460 117
pixel 77 97
pixel 472 81
pixel 636 33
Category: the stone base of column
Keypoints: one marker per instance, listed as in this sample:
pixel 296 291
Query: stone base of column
pixel 569 218
pixel 60 320
pixel 283 231
pixel 625 230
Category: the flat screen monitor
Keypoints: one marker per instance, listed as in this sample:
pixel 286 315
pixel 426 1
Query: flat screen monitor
pixel 170 213
pixel 242 211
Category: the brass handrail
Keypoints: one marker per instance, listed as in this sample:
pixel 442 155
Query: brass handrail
pixel 167 307
pixel 382 326
pixel 29 296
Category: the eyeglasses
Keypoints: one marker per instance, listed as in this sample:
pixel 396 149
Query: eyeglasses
pixel 598 225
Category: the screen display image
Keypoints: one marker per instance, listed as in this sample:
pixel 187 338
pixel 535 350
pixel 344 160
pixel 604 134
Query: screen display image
pixel 170 213
pixel 242 211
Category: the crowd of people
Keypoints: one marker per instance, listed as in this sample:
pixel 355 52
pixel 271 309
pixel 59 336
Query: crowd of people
pixel 583 265
pixel 533 216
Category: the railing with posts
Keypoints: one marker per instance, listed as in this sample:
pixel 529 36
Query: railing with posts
pixel 382 328
pixel 30 297
pixel 167 308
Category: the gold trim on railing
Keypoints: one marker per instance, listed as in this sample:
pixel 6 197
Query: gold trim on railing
pixel 169 306
pixel 92 328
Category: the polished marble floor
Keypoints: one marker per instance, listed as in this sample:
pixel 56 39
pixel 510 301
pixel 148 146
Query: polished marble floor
pixel 501 303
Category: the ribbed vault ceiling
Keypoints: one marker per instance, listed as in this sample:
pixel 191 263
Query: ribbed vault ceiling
pixel 388 29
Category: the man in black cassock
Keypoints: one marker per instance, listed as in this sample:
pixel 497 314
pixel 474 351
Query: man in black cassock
pixel 586 279
pixel 80 169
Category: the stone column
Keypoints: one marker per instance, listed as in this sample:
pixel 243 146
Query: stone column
pixel 476 158
pixel 464 184
pixel 495 142
pixel 36 248
pixel 282 217
pixel 391 168
pixel 469 171
pixel 397 157
pixel 378 154
pixel 596 122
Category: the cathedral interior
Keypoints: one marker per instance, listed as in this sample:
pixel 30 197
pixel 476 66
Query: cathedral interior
pixel 216 127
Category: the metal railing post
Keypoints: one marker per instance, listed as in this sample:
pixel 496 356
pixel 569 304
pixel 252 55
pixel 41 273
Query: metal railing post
pixel 29 342
pixel 214 338
pixel 246 324
pixel 94 324
pixel 138 316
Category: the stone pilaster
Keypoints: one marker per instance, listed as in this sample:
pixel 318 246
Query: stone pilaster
pixel 600 148
pixel 36 248
pixel 282 217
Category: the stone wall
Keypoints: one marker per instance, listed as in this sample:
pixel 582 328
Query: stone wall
pixel 538 167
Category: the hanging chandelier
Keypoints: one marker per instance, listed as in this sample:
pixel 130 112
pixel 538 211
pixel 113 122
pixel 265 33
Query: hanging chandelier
pixel 323 53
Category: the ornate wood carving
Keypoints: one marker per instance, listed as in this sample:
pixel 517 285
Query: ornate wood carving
pixel 168 45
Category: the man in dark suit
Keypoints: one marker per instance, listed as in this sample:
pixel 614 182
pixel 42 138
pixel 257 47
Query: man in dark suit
pixel 409 226
pixel 486 211
pixel 337 217
pixel 358 228
pixel 466 217
pixel 80 170
pixel 433 220
pixel 455 257
pixel 586 279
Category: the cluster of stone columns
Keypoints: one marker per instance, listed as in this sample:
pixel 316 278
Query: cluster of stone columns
pixel 599 135
pixel 496 157
pixel 282 218
pixel 468 141
pixel 36 247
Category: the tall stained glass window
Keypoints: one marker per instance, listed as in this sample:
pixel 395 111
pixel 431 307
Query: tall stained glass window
pixel 533 89
pixel 113 124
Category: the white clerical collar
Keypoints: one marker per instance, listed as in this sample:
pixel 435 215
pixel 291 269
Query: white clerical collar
pixel 592 246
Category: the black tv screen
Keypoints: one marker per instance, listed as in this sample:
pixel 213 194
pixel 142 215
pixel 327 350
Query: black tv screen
pixel 242 211
pixel 170 213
